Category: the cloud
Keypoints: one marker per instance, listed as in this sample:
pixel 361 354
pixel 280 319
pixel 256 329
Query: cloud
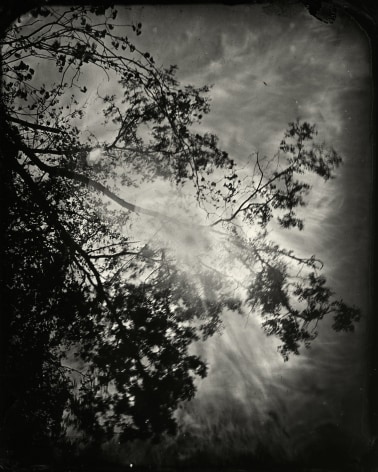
pixel 267 71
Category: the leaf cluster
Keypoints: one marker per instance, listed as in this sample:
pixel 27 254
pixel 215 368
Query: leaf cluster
pixel 101 314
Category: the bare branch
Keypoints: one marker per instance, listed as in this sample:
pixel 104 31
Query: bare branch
pixel 34 125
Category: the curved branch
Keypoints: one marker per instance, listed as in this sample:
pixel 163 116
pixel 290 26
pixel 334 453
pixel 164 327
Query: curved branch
pixel 34 125
pixel 123 253
pixel 66 237
pixel 61 172
pixel 242 207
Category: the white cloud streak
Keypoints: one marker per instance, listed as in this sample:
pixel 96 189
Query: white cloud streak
pixel 266 71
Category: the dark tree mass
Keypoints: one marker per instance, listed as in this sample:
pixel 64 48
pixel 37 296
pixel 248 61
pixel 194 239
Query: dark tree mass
pixel 100 316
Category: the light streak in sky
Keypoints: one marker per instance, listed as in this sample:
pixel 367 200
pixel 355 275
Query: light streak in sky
pixel 266 71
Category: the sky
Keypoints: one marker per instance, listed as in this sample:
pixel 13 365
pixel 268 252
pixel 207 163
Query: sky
pixel 267 70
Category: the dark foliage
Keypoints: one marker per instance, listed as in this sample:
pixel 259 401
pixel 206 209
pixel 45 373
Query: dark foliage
pixel 99 316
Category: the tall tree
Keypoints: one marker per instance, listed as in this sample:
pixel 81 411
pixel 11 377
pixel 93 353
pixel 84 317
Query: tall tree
pixel 102 311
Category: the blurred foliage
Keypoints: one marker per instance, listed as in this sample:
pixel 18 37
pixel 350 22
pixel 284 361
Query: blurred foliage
pixel 99 317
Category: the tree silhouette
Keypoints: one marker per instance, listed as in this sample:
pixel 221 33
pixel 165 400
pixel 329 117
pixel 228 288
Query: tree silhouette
pixel 100 314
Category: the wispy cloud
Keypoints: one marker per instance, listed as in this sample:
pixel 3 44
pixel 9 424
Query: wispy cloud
pixel 267 70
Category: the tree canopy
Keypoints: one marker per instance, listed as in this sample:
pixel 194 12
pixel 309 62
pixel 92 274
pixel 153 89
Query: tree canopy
pixel 105 296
